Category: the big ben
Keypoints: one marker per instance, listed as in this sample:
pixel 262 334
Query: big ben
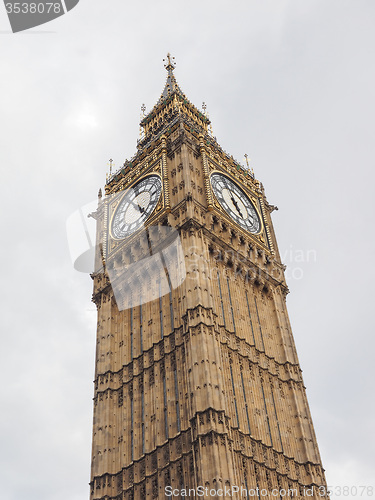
pixel 198 388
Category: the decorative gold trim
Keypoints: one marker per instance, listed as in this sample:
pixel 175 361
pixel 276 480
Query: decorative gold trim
pixel 266 225
pixel 105 230
pixel 206 173
pixel 165 181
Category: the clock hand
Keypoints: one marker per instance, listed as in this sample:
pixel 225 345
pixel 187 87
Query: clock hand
pixel 233 199
pixel 237 207
pixel 137 206
pixel 230 191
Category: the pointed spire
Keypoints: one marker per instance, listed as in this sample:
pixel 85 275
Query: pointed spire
pixel 177 103
pixel 171 84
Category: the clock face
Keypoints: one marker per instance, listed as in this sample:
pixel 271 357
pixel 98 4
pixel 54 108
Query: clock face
pixel 136 206
pixel 236 203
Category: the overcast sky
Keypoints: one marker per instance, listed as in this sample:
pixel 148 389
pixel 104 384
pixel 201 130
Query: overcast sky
pixel 290 83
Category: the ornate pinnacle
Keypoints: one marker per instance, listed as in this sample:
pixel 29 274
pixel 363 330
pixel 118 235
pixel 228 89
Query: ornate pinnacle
pixel 171 64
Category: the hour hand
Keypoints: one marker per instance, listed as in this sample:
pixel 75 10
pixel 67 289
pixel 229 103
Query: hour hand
pixel 137 206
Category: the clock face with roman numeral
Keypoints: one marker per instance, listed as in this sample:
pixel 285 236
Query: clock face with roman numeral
pixel 136 206
pixel 236 203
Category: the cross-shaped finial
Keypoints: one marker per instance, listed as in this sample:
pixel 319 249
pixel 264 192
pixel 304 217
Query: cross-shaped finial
pixel 204 107
pixel 171 64
pixel 247 161
pixel 143 109
pixel 110 166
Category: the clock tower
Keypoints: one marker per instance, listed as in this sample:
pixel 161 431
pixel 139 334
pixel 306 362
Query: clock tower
pixel 198 388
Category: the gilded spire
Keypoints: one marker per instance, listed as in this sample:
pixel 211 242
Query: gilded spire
pixel 171 83
pixel 171 103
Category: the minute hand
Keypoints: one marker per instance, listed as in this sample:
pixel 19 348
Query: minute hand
pixel 233 199
pixel 237 207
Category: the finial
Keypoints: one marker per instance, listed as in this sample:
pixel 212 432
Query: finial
pixel 100 194
pixel 204 107
pixel 171 64
pixel 141 131
pixel 111 164
pixel 248 165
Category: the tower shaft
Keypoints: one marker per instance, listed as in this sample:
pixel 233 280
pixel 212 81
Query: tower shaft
pixel 197 380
